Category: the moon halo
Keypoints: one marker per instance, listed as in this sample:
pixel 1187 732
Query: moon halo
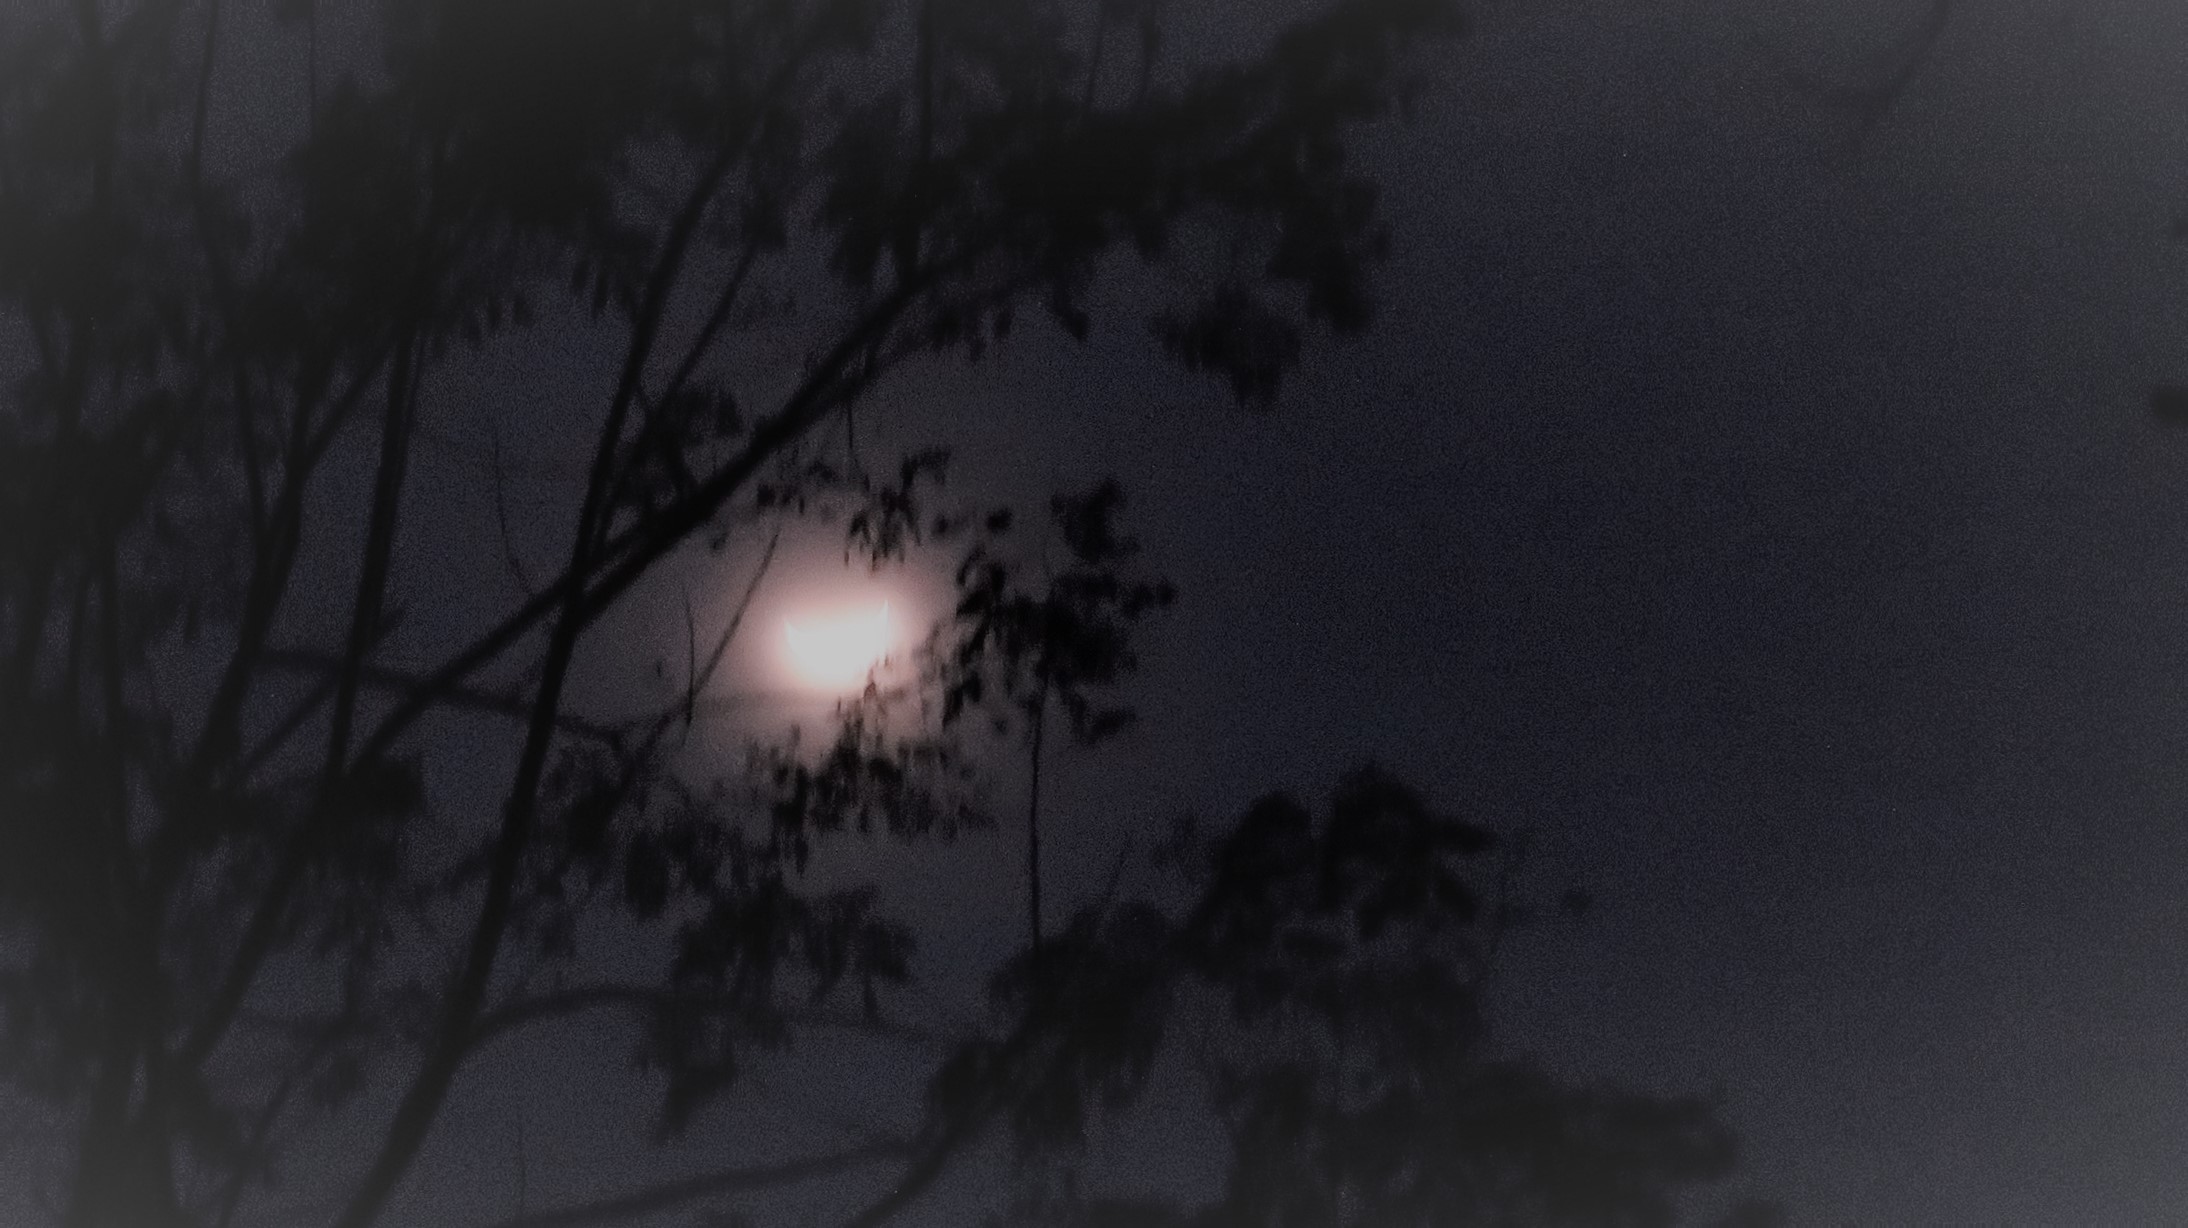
pixel 838 652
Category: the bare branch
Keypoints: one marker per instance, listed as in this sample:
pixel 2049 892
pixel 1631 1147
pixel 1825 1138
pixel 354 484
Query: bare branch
pixel 379 550
pixel 1871 103
pixel 560 1004
pixel 475 699
pixel 271 565
pixel 500 477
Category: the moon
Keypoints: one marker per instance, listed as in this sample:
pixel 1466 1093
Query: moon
pixel 837 653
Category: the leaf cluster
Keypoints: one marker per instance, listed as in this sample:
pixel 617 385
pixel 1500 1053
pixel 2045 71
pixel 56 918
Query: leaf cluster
pixel 1324 979
pixel 1015 644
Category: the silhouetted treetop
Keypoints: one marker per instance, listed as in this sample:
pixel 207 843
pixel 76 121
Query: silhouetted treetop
pixel 1328 971
pixel 304 804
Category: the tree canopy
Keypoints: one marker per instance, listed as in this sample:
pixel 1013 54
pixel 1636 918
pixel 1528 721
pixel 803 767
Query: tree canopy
pixel 233 307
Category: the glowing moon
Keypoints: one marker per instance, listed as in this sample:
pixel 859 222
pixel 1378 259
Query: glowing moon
pixel 836 654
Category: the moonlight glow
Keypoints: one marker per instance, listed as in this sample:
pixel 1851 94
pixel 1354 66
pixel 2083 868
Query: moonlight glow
pixel 836 654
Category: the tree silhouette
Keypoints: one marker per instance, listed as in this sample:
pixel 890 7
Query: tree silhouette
pixel 232 903
pixel 1058 646
pixel 1328 967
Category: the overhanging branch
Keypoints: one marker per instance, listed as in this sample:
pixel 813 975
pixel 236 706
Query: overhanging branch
pixel 525 1012
pixel 457 695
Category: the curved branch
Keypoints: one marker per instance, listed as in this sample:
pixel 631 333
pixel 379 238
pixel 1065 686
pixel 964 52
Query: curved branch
pixel 514 1016
pixel 475 699
pixel 1870 103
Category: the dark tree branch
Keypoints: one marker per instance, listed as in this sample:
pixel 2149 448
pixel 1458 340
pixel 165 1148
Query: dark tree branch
pixel 379 553
pixel 421 1101
pixel 273 562
pixel 468 698
pixel 559 1004
pixel 1870 103
pixel 509 558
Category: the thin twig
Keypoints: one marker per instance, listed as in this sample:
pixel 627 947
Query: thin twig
pixel 1871 103
pixel 509 557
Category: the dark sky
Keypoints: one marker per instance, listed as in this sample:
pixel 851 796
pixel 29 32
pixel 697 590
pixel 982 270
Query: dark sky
pixel 1770 527
pixel 1779 535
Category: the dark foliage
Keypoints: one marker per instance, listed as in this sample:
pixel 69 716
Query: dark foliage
pixel 1328 970
pixel 237 888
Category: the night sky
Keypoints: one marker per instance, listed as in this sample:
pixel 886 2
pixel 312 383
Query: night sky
pixel 1776 531
pixel 1779 535
pixel 1767 523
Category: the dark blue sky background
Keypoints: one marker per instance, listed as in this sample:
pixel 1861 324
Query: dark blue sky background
pixel 1778 533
